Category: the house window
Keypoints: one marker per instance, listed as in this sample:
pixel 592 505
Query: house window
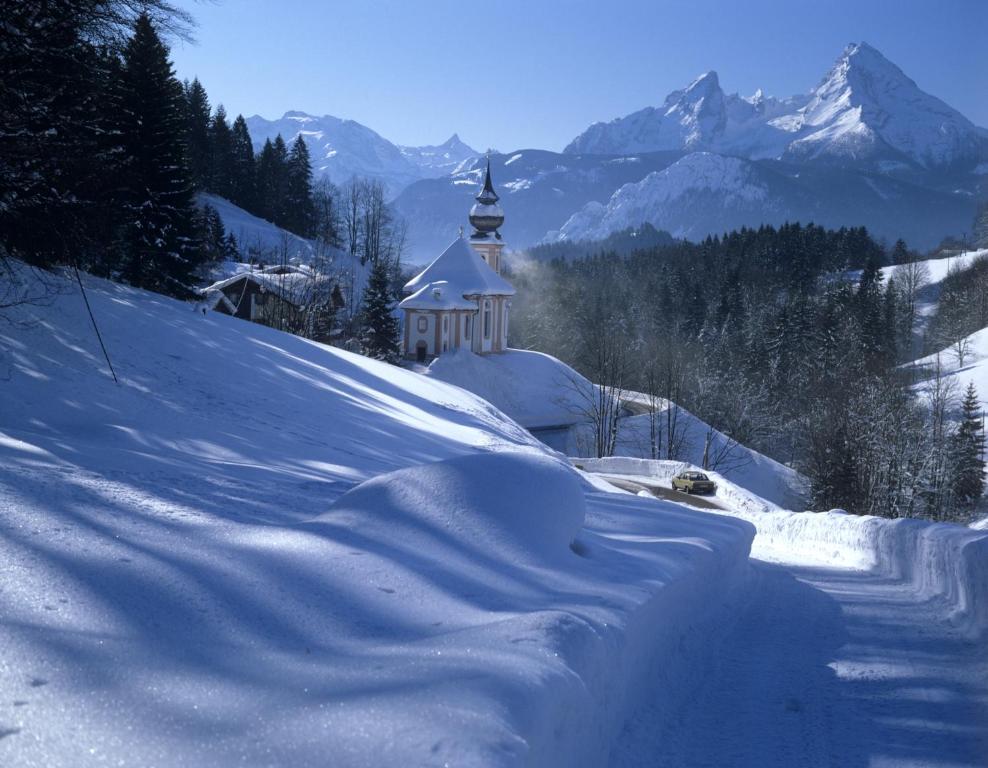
pixel 423 324
pixel 487 320
pixel 466 327
pixel 505 321
pixel 445 324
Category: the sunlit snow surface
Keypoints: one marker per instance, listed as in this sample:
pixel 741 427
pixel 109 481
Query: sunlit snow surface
pixel 184 579
pixel 258 550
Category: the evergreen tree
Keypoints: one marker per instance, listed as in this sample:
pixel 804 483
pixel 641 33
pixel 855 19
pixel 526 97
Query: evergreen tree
pixel 221 155
pixel 243 191
pixel 197 134
pixel 299 208
pixel 900 253
pixel 57 150
pixel 160 252
pixel 969 447
pixel 280 181
pixel 272 173
pixel 380 337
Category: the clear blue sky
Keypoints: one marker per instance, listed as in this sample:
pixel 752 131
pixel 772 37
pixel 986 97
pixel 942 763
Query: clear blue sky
pixel 515 74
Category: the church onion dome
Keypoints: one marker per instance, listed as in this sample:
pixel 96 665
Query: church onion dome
pixel 486 215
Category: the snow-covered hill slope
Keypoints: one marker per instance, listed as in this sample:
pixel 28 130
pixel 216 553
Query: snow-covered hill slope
pixel 340 149
pixel 700 181
pixel 974 370
pixel 263 243
pixel 865 108
pixel 255 235
pixel 706 193
pixel 258 550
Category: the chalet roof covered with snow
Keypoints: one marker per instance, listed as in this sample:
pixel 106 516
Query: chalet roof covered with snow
pixel 437 295
pixel 465 272
pixel 292 283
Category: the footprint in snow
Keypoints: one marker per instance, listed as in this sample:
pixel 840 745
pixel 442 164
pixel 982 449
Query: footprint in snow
pixel 5 732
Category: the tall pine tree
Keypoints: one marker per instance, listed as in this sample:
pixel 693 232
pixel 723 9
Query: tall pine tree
pixel 57 150
pixel 221 152
pixel 243 184
pixel 272 173
pixel 160 251
pixel 969 449
pixel 380 337
pixel 299 209
pixel 197 140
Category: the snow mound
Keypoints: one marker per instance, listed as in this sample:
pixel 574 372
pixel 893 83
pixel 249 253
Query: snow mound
pixel 938 561
pixel 513 506
pixel 534 389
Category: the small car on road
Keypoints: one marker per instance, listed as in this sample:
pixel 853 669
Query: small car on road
pixel 693 482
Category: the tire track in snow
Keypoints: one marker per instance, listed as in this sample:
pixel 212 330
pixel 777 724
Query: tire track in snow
pixel 826 667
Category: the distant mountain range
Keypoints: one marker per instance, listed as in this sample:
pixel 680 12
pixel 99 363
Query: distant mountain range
pixel 865 110
pixel 865 146
pixel 341 149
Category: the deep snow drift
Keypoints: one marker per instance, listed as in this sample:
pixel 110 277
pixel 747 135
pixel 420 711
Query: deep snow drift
pixel 534 389
pixel 193 573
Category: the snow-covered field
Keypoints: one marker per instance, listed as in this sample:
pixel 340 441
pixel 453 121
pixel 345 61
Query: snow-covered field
pixel 259 550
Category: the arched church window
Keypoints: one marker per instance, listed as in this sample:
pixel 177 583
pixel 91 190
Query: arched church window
pixel 423 324
pixel 487 320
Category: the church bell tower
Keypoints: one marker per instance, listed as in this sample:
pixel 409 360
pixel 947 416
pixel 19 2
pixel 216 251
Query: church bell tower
pixel 486 216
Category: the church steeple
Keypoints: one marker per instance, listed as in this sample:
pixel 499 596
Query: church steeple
pixel 486 215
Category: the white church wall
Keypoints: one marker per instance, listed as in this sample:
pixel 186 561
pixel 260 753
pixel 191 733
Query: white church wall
pixel 421 328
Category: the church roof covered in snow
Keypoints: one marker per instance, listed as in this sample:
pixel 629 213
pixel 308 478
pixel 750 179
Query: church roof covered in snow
pixel 465 271
pixel 437 295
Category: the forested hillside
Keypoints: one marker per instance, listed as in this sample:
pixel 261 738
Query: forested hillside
pixel 788 340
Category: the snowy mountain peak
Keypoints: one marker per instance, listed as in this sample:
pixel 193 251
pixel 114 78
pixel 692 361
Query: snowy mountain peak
pixel 864 109
pixel 340 149
pixel 706 84
pixel 867 107
pixel 435 160
pixel 691 118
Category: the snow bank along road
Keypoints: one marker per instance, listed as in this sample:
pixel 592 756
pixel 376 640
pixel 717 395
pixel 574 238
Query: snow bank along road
pixel 259 551
pixel 826 667
pixel 860 642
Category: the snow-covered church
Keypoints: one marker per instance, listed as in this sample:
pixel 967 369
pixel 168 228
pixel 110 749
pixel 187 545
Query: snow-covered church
pixel 460 301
